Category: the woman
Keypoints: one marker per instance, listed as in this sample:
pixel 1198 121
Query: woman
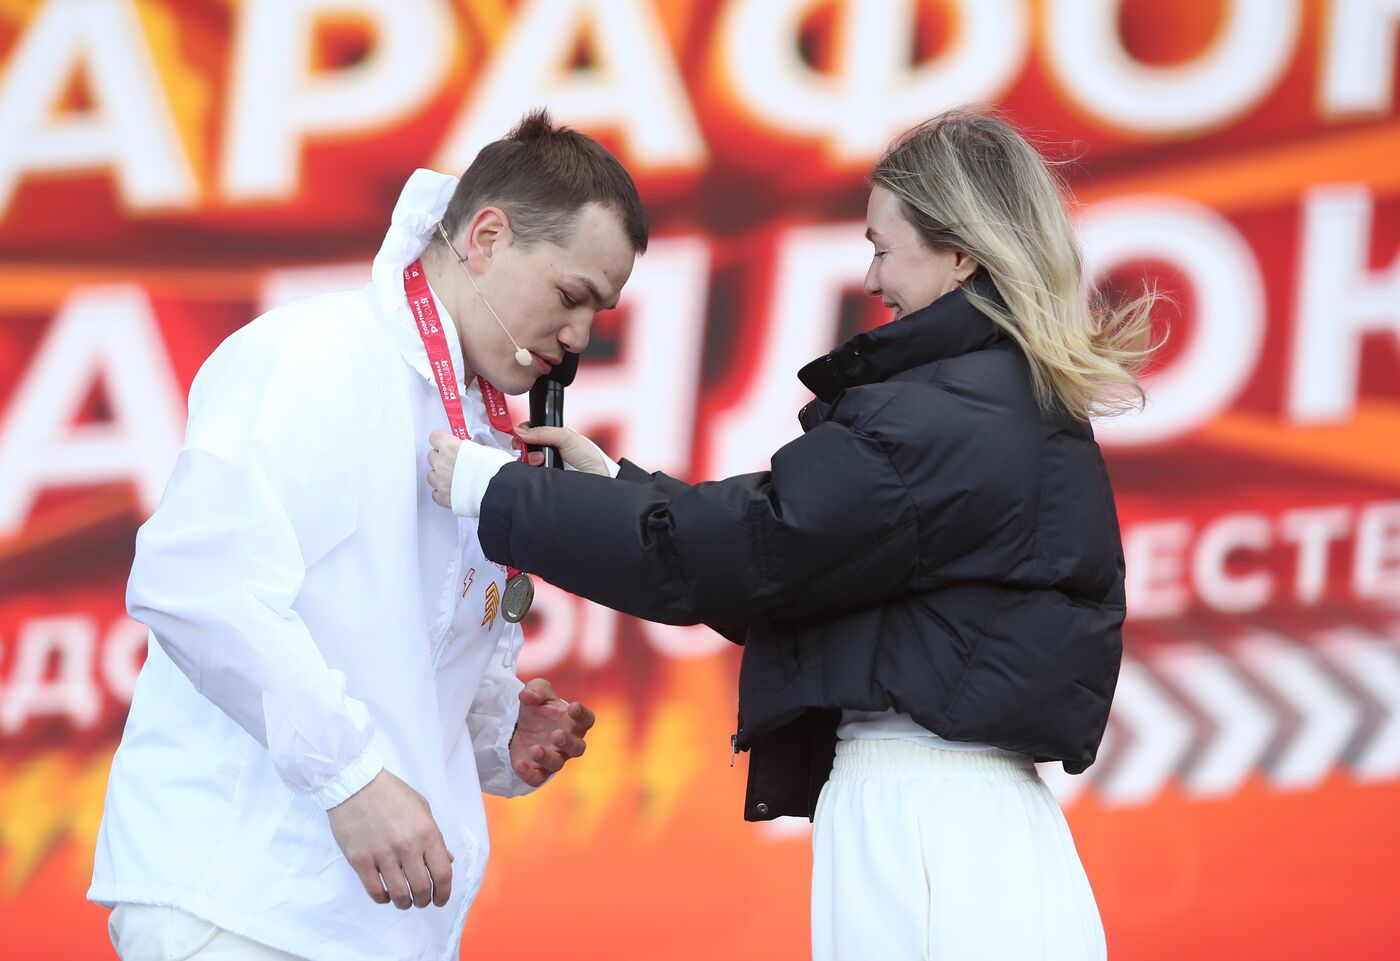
pixel 928 583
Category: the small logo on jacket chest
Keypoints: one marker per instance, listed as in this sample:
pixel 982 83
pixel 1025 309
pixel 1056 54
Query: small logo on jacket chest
pixel 493 605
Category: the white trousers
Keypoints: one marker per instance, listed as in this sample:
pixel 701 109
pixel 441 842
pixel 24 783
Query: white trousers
pixel 144 932
pixel 933 855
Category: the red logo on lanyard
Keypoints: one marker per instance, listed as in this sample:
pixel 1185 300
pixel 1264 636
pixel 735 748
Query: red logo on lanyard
pixel 420 301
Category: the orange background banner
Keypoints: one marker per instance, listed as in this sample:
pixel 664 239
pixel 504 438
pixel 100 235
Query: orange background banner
pixel 170 169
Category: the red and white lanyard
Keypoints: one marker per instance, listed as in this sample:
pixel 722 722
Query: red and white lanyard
pixel 420 301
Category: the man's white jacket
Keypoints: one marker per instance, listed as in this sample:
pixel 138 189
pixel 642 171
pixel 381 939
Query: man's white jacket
pixel 315 618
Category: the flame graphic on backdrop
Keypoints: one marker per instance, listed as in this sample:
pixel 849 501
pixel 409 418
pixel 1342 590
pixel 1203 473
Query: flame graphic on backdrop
pixel 636 771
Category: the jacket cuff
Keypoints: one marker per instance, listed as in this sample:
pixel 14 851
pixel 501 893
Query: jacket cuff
pixel 351 779
pixel 504 782
pixel 627 470
pixel 476 465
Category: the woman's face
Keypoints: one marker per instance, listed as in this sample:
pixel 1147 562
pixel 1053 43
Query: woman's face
pixel 904 273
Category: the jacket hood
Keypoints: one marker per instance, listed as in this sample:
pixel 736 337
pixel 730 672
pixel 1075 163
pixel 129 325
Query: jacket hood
pixel 422 203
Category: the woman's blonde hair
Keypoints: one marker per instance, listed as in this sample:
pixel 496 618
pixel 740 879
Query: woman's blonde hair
pixel 970 181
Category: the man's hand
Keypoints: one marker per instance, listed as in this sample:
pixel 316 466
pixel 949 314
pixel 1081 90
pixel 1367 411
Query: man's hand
pixel 550 732
pixel 442 460
pixel 388 835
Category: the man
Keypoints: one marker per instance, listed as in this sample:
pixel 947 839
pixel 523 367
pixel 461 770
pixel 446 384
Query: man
pixel 332 681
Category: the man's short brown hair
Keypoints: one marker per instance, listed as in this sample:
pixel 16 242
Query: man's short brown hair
pixel 542 175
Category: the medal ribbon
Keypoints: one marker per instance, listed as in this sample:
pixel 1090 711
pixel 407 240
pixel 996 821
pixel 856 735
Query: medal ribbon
pixel 420 302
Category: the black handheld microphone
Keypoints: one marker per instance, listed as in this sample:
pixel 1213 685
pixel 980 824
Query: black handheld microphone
pixel 547 403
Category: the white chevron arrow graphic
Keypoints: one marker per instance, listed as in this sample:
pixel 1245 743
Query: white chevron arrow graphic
pixel 1372 662
pixel 1243 722
pixel 1161 732
pixel 1327 717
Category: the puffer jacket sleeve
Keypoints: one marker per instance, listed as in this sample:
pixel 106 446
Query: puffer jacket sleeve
pixel 831 528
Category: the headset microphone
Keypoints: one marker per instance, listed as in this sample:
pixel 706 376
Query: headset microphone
pixel 522 356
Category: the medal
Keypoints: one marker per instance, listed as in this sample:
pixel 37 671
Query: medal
pixel 520 594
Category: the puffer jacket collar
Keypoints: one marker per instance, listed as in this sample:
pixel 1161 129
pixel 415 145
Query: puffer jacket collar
pixel 948 327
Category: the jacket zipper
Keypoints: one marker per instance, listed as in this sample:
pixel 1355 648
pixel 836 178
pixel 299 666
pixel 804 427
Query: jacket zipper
pixel 439 643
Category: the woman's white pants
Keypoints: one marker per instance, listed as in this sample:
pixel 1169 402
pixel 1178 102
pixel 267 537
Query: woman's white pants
pixel 920 853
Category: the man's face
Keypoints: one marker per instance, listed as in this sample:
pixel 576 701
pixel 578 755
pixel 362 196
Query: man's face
pixel 547 295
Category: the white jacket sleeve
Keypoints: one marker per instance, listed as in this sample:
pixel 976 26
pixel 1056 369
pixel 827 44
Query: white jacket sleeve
pixel 491 721
pixel 263 487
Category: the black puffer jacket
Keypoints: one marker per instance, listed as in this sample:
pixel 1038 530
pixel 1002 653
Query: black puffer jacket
pixel 934 543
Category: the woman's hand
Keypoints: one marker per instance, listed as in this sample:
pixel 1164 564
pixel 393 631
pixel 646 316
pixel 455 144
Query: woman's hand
pixel 577 451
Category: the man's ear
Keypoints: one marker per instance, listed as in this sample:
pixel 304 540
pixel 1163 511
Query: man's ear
pixel 486 232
